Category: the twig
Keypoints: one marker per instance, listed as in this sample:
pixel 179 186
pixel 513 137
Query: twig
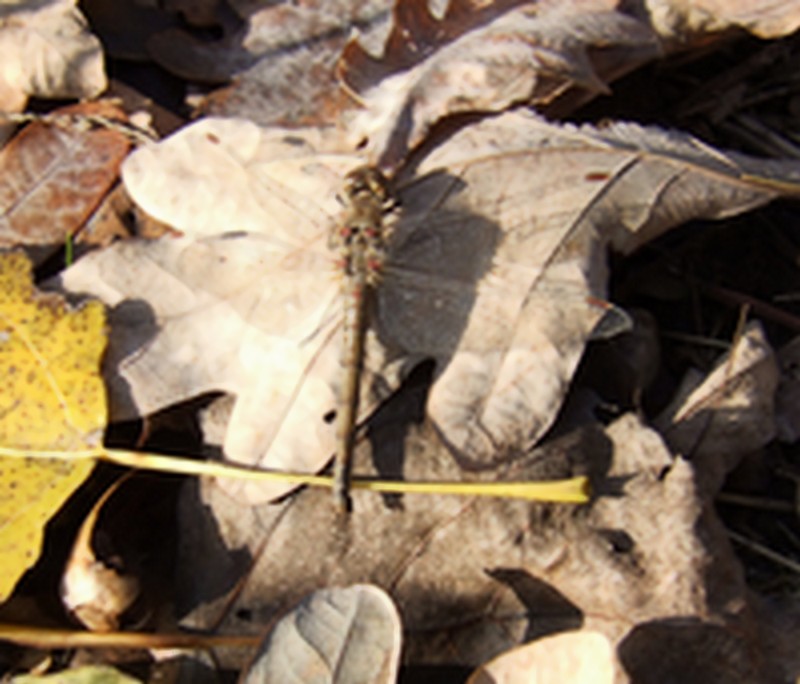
pixel 765 552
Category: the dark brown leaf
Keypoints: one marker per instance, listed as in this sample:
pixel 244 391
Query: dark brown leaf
pixel 54 176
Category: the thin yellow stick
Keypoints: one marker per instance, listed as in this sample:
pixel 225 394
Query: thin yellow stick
pixel 573 490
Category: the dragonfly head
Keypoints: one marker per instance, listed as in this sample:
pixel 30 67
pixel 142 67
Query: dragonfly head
pixel 366 182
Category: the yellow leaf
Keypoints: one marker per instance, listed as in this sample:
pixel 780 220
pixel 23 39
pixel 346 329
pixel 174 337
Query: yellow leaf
pixel 88 674
pixel 51 398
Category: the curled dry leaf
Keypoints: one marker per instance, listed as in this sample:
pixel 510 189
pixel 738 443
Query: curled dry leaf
pixel 495 266
pixel 93 591
pixel 483 60
pixel 47 51
pixel 717 419
pixel 490 57
pixel 281 57
pixel 349 635
pixel 54 175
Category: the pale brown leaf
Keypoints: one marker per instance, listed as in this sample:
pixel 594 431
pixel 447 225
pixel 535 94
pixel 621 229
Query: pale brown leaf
pixel 647 565
pixel 716 419
pixel 348 635
pixel 484 60
pixel 568 658
pixel 554 56
pixel 684 22
pixel 47 51
pixel 281 56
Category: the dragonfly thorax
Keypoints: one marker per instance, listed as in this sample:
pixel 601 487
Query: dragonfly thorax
pixel 361 236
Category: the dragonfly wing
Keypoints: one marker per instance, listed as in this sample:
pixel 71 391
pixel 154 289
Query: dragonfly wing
pixel 221 174
pixel 235 313
pixel 278 290
pixel 283 420
pixel 504 305
pixel 289 353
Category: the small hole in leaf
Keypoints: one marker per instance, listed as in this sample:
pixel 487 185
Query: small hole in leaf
pixel 618 540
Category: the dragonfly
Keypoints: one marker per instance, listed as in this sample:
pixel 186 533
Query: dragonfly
pixel 361 241
pixel 477 265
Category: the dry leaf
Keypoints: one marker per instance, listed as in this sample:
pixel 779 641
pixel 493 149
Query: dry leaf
pixel 568 658
pixel 485 60
pixel 94 592
pixel 551 55
pixel 280 55
pixel 405 72
pixel 497 253
pixel 717 419
pixel 53 400
pixel 348 635
pixel 47 52
pixel 684 22
pixel 53 177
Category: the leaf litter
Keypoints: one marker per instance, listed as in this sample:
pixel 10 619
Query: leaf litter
pixel 620 539
pixel 627 166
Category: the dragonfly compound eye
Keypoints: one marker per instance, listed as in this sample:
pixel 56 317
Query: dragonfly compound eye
pixel 367 181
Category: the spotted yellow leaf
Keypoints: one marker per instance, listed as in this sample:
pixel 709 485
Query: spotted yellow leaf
pixel 88 674
pixel 51 399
